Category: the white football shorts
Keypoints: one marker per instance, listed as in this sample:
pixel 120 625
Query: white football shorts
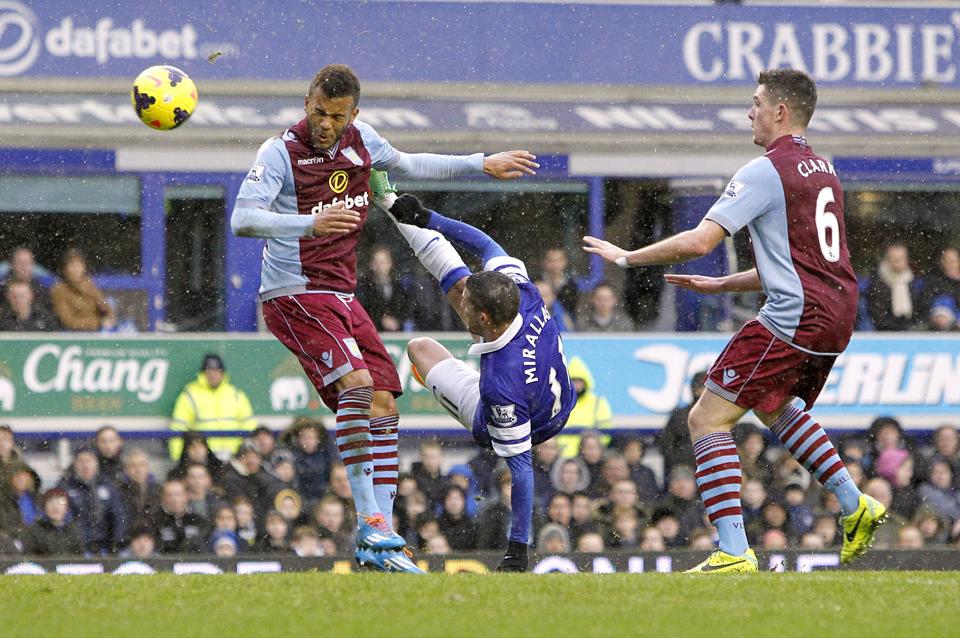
pixel 456 386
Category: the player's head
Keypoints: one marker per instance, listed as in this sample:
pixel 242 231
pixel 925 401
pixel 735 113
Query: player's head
pixel 331 104
pixel 490 302
pixel 782 104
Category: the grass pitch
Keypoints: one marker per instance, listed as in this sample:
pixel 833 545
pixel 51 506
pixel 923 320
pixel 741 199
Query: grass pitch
pixel 816 605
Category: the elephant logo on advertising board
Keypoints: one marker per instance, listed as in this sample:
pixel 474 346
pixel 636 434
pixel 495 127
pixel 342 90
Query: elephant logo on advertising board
pixel 8 395
pixel 289 393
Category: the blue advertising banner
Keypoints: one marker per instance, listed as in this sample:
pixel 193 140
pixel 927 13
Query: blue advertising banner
pixel 482 41
pixel 913 377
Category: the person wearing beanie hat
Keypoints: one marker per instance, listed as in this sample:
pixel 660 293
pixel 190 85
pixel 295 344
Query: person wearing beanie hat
pixel 224 543
pixel 208 404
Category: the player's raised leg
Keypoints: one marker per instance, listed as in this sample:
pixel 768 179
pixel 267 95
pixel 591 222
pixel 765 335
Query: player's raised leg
pixel 719 478
pixel 809 444
pixel 454 384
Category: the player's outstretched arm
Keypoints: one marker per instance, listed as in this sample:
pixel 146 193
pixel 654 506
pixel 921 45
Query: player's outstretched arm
pixel 510 164
pixel 689 244
pixel 747 281
pixel 408 209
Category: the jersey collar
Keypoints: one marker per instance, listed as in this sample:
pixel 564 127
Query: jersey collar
pixel 487 347
pixel 784 140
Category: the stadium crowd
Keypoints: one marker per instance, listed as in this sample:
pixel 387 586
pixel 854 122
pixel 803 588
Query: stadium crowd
pixel 289 495
pixel 894 296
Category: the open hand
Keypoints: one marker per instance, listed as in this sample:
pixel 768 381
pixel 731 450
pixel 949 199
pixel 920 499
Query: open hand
pixel 510 164
pixel 697 283
pixel 601 247
pixel 335 220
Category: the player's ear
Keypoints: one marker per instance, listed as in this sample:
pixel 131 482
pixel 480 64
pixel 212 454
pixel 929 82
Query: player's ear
pixel 353 116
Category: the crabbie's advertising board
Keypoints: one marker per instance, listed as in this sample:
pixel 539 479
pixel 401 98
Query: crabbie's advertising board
pixel 513 42
pixel 64 383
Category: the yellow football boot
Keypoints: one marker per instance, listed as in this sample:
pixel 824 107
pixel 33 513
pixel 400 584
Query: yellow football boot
pixel 860 527
pixel 722 562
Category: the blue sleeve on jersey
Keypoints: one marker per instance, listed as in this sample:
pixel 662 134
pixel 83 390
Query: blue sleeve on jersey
pixel 521 496
pixel 416 165
pixel 473 239
pixel 251 215
pixel 748 195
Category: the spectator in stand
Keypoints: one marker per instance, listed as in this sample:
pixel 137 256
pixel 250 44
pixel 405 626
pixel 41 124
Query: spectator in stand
pixel 289 504
pixel 247 525
pixel 311 457
pixel 224 518
pixel 196 450
pixel 52 534
pixel 825 526
pixel 880 489
pixel 934 527
pixel 493 524
pixel 554 271
pixel 683 500
pixel 223 544
pixel 812 541
pixel 945 284
pixel 943 316
pixel 751 444
pixel 143 544
pixel 201 500
pixel 283 473
pixel 613 471
pixel 177 530
pixel 19 500
pixel 701 540
pixel 95 504
pixel 265 443
pixel 559 511
pixel 10 454
pixel 582 516
pixel 799 515
pixel 109 448
pixel 462 477
pixel 651 540
pixel 460 530
pixel 21 312
pixel 591 411
pixel 306 542
pixel 774 539
pixel 909 537
pixel 211 403
pixel 633 450
pixel 946 446
pixel 591 455
pixel 437 546
pixel 753 496
pixel 774 516
pixel 665 520
pixel 275 538
pixel 329 516
pixel 892 298
pixel 896 466
pixel 244 477
pixel 428 474
pixel 590 543
pixel 77 301
pixel 622 500
pixel 674 439
pixel 884 433
pixel 553 539
pixel 141 493
pixel 570 476
pixel 938 491
pixel 556 309
pixel 23 270
pixel 381 292
pixel 545 459
pixel 340 487
pixel 604 315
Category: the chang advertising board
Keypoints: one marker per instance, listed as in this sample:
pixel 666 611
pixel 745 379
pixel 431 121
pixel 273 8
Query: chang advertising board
pixel 513 42
pixel 84 381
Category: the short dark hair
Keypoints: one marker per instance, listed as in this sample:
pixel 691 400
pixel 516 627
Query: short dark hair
pixel 337 80
pixel 796 88
pixel 495 294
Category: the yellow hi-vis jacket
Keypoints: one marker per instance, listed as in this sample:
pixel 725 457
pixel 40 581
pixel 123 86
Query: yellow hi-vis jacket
pixel 202 408
pixel 591 410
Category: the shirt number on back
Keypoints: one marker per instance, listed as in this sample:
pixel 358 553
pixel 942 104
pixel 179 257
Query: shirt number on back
pixel 829 246
pixel 555 390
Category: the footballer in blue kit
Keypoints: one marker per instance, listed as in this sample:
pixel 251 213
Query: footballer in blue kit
pixel 522 394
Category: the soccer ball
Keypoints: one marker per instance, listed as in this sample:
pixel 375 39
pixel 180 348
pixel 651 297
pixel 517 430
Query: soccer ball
pixel 164 97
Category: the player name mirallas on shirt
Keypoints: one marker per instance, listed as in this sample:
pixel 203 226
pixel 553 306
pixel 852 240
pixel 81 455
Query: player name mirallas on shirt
pixel 534 328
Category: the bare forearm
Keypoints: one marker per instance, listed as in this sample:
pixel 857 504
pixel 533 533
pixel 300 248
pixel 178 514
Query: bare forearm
pixel 673 250
pixel 746 281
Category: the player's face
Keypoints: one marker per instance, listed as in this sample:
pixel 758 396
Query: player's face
pixel 328 117
pixel 763 116
pixel 471 315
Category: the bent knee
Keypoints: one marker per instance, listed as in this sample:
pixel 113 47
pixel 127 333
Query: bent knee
pixel 354 379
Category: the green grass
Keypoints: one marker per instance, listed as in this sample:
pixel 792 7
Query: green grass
pixel 818 605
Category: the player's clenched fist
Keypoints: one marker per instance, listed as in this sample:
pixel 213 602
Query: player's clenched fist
pixel 335 220
pixel 408 210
